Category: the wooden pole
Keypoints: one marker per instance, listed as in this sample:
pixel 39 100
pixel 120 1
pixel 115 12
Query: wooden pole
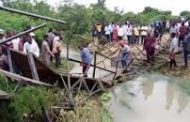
pixel 10 61
pixel 117 64
pixel 94 72
pixel 31 15
pixel 23 79
pixel 23 33
pixel 92 65
pixel 32 66
pixel 70 95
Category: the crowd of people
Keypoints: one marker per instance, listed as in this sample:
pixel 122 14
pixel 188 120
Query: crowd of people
pixel 180 40
pixel 130 34
pixel 125 36
pixel 147 36
pixel 50 47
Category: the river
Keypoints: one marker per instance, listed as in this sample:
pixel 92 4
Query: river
pixel 150 98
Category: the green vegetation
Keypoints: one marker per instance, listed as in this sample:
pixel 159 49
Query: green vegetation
pixel 79 19
pixel 27 103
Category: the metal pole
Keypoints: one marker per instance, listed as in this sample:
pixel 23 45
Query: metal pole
pixel 94 72
pixel 31 14
pixel 23 33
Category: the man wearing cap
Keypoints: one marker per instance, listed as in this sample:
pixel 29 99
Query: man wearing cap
pixel 124 53
pixel 31 46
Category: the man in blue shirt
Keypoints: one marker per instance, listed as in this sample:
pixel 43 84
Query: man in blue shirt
pixel 86 59
pixel 186 48
pixel 124 53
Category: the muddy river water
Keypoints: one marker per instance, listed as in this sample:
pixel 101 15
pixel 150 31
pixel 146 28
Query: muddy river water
pixel 147 98
pixel 150 98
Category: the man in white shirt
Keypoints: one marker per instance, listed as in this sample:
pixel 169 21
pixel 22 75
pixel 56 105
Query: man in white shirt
pixel 121 32
pixel 111 31
pixel 107 32
pixel 31 46
pixel 125 31
pixel 173 29
pixel 15 43
pixel 174 43
pixel 57 49
pixel 129 33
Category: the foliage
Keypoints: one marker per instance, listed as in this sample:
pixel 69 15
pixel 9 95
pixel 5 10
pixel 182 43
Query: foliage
pixel 79 19
pixel 105 98
pixel 29 100
pixel 89 111
pixel 26 101
pixel 184 13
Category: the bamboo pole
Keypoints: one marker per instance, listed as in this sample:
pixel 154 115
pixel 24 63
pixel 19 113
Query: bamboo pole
pixel 23 33
pixel 23 79
pixel 31 15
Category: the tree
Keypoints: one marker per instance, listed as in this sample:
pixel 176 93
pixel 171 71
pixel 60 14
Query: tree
pixel 184 13
pixel 150 10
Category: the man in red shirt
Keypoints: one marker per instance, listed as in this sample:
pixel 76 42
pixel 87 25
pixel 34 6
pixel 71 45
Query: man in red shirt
pixel 182 32
pixel 149 47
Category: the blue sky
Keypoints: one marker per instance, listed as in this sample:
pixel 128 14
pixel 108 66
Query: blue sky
pixel 176 6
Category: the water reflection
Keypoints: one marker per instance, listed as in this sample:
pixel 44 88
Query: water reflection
pixel 147 88
pixel 152 98
pixel 170 94
pixel 183 101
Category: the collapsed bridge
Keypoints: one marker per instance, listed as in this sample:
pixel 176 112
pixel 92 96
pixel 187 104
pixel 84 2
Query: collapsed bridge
pixel 30 70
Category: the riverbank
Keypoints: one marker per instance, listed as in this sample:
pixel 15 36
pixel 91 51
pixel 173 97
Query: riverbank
pixel 93 109
pixel 153 90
